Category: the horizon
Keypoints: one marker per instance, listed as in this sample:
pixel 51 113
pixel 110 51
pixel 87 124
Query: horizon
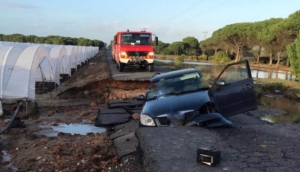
pixel 100 20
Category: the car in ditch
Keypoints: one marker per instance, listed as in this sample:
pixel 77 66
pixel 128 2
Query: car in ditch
pixel 184 97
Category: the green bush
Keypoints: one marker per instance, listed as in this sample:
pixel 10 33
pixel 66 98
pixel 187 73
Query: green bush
pixel 252 60
pixel 203 57
pixel 180 59
pixel 164 57
pixel 296 119
pixel 221 57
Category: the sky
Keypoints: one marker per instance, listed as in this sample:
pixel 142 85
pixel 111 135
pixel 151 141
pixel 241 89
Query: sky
pixel 169 20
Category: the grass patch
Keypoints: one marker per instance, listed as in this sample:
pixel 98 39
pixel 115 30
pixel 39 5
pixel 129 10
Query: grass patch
pixel 290 89
pixel 296 119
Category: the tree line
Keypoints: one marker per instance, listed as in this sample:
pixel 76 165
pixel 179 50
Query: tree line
pixel 52 39
pixel 273 35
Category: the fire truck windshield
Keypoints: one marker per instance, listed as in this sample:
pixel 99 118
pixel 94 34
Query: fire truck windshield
pixel 136 39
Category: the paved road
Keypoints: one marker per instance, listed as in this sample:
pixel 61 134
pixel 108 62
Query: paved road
pixel 251 145
pixel 131 73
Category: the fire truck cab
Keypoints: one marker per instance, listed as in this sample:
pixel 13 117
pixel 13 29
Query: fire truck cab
pixel 133 48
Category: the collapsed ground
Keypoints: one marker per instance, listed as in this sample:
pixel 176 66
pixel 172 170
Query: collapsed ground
pixel 75 101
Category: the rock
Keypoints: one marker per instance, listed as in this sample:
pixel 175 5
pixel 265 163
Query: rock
pixel 93 104
pixel 83 114
pixel 50 113
pixel 93 118
pixel 135 116
pixel 86 92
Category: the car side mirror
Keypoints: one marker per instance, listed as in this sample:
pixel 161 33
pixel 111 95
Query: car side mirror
pixel 140 97
pixel 220 83
pixel 156 40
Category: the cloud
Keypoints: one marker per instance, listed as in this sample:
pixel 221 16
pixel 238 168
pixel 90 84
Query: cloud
pixel 8 4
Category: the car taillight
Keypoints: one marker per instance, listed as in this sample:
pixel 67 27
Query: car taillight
pixel 123 55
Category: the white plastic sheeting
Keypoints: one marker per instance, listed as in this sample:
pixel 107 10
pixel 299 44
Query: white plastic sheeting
pixel 26 71
pixel 8 58
pixel 79 55
pixel 71 51
pixel 24 64
pixel 57 54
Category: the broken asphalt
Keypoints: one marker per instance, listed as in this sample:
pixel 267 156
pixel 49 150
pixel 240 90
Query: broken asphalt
pixel 250 145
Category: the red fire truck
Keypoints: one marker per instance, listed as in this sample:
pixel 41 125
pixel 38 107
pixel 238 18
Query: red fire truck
pixel 133 48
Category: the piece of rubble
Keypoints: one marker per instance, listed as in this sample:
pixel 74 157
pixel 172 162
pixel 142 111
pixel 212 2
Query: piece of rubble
pixel 123 129
pixel 126 144
pixel 110 117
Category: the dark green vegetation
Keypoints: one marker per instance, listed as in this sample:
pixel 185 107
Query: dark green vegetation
pixel 264 41
pixel 52 39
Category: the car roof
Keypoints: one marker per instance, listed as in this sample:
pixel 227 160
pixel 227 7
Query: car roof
pixel 174 73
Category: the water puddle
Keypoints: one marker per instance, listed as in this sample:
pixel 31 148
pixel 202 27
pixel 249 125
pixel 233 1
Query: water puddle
pixel 82 129
pixel 279 102
pixel 207 67
pixel 6 157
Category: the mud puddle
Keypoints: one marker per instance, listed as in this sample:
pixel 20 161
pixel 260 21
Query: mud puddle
pixel 6 157
pixel 81 129
pixel 291 107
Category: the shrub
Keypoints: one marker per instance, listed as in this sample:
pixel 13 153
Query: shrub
pixel 194 58
pixel 221 57
pixel 296 119
pixel 180 59
pixel 203 57
pixel 164 57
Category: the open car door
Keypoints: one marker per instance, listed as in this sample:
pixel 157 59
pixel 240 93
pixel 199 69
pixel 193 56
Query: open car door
pixel 233 90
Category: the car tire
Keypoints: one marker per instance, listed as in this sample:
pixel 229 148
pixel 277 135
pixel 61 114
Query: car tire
pixel 121 67
pixel 151 68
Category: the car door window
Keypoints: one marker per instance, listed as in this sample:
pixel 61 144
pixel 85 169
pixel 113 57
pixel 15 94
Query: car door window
pixel 233 74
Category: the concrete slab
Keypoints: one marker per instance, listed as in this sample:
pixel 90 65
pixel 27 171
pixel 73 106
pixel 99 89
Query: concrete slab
pixel 112 119
pixel 126 144
pixel 123 129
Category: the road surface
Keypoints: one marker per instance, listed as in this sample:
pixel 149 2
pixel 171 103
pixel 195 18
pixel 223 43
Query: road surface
pixel 131 73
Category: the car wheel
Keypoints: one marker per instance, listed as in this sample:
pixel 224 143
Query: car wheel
pixel 151 67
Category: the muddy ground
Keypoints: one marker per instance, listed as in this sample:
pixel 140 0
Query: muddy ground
pixel 76 101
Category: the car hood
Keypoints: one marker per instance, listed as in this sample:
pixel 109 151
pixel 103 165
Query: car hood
pixel 172 104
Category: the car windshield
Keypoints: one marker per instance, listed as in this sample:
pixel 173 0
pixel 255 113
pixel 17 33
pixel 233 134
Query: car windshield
pixel 180 84
pixel 136 39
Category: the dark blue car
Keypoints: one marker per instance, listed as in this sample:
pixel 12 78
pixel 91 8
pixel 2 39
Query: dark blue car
pixel 183 97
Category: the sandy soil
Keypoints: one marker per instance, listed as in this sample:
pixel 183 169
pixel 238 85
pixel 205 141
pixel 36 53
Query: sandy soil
pixel 24 148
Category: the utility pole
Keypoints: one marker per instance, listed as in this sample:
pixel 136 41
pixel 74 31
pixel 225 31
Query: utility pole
pixel 205 32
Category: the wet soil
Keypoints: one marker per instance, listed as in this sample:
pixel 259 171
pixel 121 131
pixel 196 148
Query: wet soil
pixel 76 101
